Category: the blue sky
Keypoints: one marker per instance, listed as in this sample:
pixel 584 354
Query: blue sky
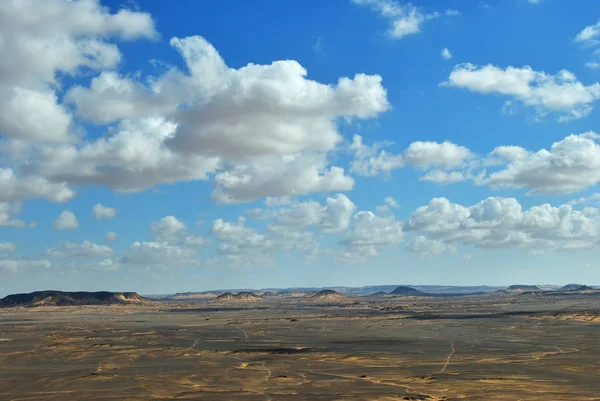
pixel 230 144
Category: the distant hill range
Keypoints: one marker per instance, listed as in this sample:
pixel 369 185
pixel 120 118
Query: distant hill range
pixel 61 298
pixel 327 296
pixel 407 291
pixel 575 287
pixel 519 288
pixel 240 296
pixel 378 294
pixel 569 289
pixel 190 296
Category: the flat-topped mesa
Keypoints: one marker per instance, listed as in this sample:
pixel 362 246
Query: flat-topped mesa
pixel 68 298
pixel 240 296
pixel 523 288
pixel 407 291
pixel 193 295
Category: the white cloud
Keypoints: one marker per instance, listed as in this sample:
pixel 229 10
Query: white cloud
pixel 405 19
pixel 103 212
pixel 86 249
pixel 368 234
pixel 502 223
pixel 594 65
pixel 193 241
pixel 443 177
pixel 592 199
pixel 63 37
pixel 16 189
pixel 132 157
pixel 111 236
pixel 7 219
pixel 19 265
pixel 534 1
pixel 262 130
pixel 7 247
pixel 391 202
pixel 279 177
pixel 589 35
pixel 426 247
pixel 158 253
pixel 372 160
pixel 570 165
pixel 167 226
pixel 244 247
pixel 560 93
pixel 334 216
pixel 66 221
pixel 446 55
pixel 112 97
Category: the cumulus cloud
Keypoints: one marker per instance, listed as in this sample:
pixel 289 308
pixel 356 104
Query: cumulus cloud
pixel 562 93
pixel 334 216
pixel 368 234
pixel 589 35
pixel 373 160
pixel 132 157
pixel 7 247
pixel 158 253
pixel 391 202
pixel 260 130
pixel 7 218
pixel 62 37
pixel 245 247
pixel 167 226
pixel 279 177
pixel 86 249
pixel 570 165
pixel 443 177
pixel 426 247
pixel 66 221
pixel 20 265
pixel 111 236
pixel 103 212
pixel 405 19
pixel 502 223
pixel 16 189
pixel 446 55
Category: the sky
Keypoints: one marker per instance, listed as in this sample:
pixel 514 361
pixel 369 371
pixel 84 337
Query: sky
pixel 254 144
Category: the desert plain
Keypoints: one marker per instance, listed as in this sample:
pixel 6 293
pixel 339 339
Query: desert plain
pixel 521 347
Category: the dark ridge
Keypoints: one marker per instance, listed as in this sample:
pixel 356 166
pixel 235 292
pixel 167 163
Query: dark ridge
pixel 403 290
pixel 521 287
pixel 247 295
pixel 378 294
pixel 225 296
pixel 240 296
pixel 576 287
pixel 268 294
pixel 326 292
pixel 61 298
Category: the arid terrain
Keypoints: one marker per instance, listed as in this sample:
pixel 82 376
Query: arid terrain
pixel 489 347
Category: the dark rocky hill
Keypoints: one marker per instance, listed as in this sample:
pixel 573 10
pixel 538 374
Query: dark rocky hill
pixel 576 287
pixel 240 296
pixel 62 298
pixel 523 288
pixel 327 296
pixel 407 291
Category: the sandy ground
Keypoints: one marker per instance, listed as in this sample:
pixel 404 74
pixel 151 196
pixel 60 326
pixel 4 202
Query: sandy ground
pixel 467 348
